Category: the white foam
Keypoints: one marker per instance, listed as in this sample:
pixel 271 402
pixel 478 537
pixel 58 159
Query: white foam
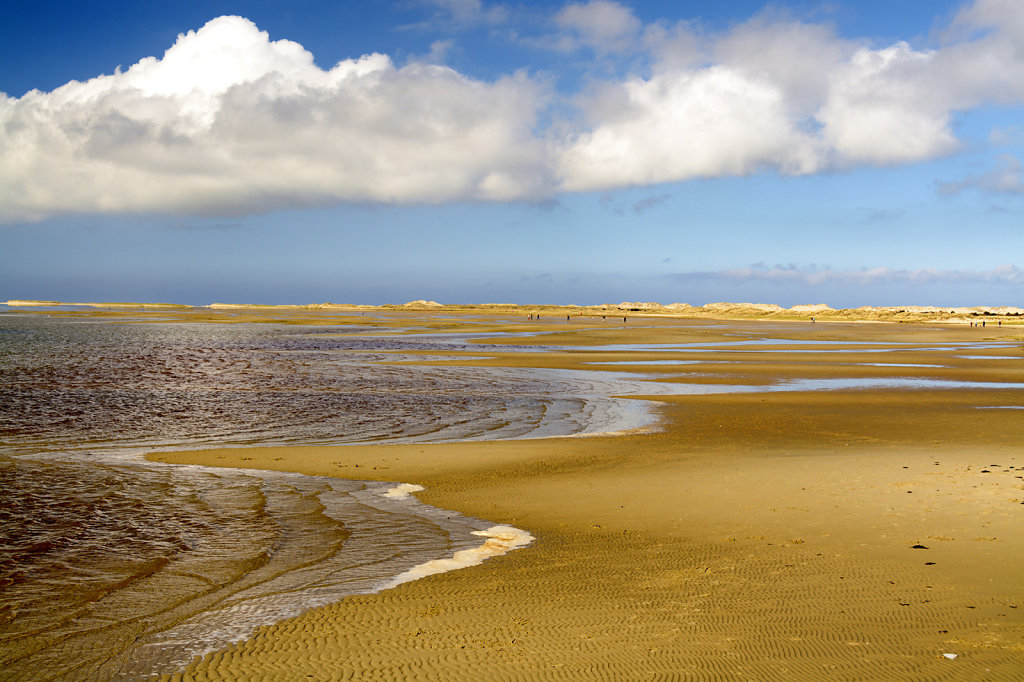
pixel 402 491
pixel 500 540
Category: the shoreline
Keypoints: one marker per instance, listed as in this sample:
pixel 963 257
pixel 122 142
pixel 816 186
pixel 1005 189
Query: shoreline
pixel 951 315
pixel 604 553
pixel 167 637
pixel 845 534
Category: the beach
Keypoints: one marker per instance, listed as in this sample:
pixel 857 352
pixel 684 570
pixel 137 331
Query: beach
pixel 440 340
pixel 863 531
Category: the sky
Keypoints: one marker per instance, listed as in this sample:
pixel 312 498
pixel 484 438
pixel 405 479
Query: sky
pixel 468 151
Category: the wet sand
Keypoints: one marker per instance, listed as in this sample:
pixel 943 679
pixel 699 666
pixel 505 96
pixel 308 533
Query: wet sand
pixel 852 534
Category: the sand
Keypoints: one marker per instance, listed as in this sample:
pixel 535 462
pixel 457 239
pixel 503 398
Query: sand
pixel 842 535
pixel 976 315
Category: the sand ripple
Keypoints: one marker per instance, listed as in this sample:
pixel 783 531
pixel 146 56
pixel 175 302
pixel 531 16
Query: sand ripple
pixel 683 618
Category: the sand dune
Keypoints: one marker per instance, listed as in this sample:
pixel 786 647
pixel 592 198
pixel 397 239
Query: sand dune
pixel 31 303
pixel 720 310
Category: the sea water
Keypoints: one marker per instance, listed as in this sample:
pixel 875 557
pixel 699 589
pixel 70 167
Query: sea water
pixel 115 567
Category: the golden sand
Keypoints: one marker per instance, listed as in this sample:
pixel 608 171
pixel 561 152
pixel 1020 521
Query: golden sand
pixel 840 535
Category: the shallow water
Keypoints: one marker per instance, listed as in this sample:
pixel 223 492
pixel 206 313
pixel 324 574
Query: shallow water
pixel 783 345
pixel 113 566
pixel 127 568
pixel 920 383
pixel 725 362
pixel 825 384
pixel 108 385
pixel 898 364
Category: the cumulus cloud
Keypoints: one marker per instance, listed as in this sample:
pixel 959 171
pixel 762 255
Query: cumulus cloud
pixel 790 97
pixel 799 59
pixel 816 276
pixel 711 122
pixel 228 121
pixel 881 108
pixel 231 122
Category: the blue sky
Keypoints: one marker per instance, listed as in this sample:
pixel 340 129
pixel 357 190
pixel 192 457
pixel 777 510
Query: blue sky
pixel 465 151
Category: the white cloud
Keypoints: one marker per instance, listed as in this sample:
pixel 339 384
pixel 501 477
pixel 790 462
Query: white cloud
pixel 896 104
pixel 985 15
pixel 230 122
pixel 1006 178
pixel 1007 136
pixel 674 47
pixel 602 25
pixel 879 276
pixel 881 109
pixel 674 126
pixel 464 14
pixel 791 97
pixel 439 50
pixel 797 58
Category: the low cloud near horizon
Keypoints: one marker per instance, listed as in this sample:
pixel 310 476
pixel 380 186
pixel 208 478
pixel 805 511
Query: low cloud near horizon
pixel 229 122
pixel 815 276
